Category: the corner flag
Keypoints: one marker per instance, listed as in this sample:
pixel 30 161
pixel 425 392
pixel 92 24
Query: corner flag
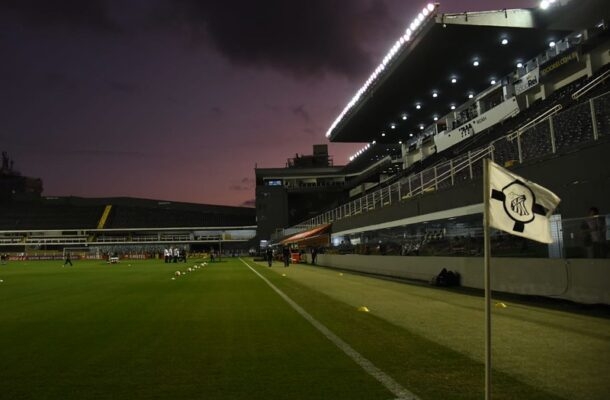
pixel 518 206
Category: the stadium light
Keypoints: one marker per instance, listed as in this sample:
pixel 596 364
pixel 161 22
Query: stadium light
pixel 435 94
pixel 410 135
pixel 504 41
pixel 519 64
pixel 383 134
pixel 418 106
pixel 426 13
pixel 470 95
pixel 404 116
pixel 493 81
pixel 421 127
pixel 475 63
pixel 545 4
pixel 436 118
pixel 551 44
pixel 453 106
pixel 453 80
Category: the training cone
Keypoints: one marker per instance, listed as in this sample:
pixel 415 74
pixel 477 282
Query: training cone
pixel 340 273
pixel 501 305
pixel 283 274
pixel 363 309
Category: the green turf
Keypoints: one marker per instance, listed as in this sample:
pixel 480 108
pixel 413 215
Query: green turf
pixel 118 331
pixel 102 331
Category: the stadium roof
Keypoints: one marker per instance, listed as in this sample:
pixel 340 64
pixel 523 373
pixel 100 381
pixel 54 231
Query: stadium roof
pixel 443 47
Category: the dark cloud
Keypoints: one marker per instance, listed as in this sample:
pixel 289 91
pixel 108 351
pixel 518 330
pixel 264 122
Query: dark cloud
pixel 243 184
pixel 305 39
pixel 300 111
pixel 248 203
pixel 57 81
pixel 124 87
pixel 88 14
pixel 105 153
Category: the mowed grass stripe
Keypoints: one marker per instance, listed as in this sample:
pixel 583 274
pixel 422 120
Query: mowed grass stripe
pixel 102 331
pixel 365 364
pixel 538 346
pixel 430 370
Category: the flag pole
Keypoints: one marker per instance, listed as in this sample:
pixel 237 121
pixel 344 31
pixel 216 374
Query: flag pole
pixel 487 250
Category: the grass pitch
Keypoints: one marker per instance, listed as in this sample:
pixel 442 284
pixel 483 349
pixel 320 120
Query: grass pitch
pixel 99 331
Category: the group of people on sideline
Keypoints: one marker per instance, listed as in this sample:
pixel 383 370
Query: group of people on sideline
pixel 174 254
pixel 287 257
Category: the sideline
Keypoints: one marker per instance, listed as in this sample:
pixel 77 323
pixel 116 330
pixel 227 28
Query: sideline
pixel 387 381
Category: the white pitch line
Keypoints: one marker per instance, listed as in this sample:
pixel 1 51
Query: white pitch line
pixel 387 381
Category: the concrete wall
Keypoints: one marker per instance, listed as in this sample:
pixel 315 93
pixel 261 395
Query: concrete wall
pixel 580 280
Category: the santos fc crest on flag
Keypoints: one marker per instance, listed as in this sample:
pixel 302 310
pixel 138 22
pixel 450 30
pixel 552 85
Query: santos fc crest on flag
pixel 518 206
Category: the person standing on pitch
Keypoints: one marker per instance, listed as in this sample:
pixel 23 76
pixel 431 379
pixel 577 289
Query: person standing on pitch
pixel 269 256
pixel 67 260
pixel 286 254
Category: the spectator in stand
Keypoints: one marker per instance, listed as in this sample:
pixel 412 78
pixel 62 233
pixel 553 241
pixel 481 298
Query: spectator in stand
pixel 594 230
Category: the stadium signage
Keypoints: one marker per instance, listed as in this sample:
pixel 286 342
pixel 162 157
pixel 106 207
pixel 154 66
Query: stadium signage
pixel 527 81
pixel 446 139
pixel 557 63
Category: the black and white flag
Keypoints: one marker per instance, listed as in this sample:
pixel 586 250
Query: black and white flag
pixel 518 206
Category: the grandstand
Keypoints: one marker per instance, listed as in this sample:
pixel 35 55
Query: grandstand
pixel 527 88
pixel 46 225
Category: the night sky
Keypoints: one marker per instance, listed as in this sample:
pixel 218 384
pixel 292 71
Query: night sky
pixel 180 100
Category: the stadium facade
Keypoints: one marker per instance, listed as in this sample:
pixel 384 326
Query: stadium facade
pixel 527 88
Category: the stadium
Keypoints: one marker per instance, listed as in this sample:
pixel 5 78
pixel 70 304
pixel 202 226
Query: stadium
pixel 359 310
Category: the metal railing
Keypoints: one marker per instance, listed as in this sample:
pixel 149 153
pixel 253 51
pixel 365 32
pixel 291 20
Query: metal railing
pixel 557 133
